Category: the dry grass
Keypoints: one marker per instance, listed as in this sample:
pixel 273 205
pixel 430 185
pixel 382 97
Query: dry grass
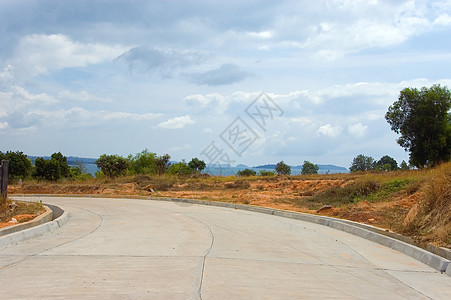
pixel 6 210
pixel 432 220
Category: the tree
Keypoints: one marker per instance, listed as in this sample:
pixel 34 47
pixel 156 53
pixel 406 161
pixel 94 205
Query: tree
pixel 197 165
pixel 62 163
pixel 283 169
pixel 112 165
pixel 19 165
pixel 246 173
pixel 47 169
pixel 404 166
pixel 143 163
pixel 362 163
pixel 309 168
pixel 162 163
pixel 180 168
pixel 387 163
pixel 423 120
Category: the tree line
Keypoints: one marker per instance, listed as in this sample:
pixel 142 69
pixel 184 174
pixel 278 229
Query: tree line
pixel 57 168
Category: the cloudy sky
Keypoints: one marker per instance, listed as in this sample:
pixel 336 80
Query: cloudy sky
pixel 184 77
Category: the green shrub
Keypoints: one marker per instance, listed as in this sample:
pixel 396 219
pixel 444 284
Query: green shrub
pixel 180 168
pixel 266 173
pixel 246 173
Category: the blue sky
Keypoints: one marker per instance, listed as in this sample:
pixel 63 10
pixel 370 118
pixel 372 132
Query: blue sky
pixel 116 77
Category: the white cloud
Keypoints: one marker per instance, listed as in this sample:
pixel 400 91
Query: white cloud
pixel 3 125
pixel 224 75
pixel 7 74
pixel 40 53
pixel 177 122
pixel 180 148
pixel 18 98
pixel 208 130
pixel 82 96
pixel 329 130
pixel 129 116
pixel 358 130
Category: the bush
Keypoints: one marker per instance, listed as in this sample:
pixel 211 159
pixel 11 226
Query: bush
pixel 266 173
pixel 246 173
pixel 112 165
pixel 239 184
pixel 180 168
pixel 143 163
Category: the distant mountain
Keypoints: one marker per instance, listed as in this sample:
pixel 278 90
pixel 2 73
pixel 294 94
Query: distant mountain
pixel 322 168
pixel 269 166
pixel 241 166
pixel 71 160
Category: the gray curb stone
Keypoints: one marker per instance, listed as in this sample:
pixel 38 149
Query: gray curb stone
pixel 29 233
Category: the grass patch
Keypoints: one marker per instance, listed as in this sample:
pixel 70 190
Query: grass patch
pixel 433 220
pixel 367 188
pixel 7 210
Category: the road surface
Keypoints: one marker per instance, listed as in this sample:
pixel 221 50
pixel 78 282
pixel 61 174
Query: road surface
pixel 146 249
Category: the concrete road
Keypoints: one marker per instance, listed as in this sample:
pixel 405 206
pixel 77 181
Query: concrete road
pixel 144 249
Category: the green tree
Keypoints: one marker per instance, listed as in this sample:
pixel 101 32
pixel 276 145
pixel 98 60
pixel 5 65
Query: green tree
pixel 387 163
pixel 423 120
pixel 246 172
pixel 180 168
pixel 362 163
pixel 19 165
pixel 283 169
pixel 404 166
pixel 112 165
pixel 197 165
pixel 62 163
pixel 47 169
pixel 309 168
pixel 162 163
pixel 143 163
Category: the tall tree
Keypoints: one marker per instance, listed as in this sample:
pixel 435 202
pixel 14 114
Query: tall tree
pixel 362 163
pixel 197 165
pixel 309 168
pixel 19 165
pixel 387 163
pixel 282 168
pixel 112 165
pixel 423 120
pixel 162 163
pixel 143 163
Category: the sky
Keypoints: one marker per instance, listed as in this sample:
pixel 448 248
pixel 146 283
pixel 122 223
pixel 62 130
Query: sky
pixel 239 82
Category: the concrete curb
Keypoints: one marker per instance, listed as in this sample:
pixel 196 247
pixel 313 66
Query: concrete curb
pixel 14 238
pixel 45 217
pixel 378 235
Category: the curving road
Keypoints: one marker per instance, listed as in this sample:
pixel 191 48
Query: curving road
pixel 138 249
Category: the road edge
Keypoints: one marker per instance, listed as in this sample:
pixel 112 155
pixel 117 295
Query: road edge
pixel 375 234
pixel 24 234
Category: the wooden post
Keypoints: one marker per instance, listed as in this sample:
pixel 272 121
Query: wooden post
pixel 4 179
